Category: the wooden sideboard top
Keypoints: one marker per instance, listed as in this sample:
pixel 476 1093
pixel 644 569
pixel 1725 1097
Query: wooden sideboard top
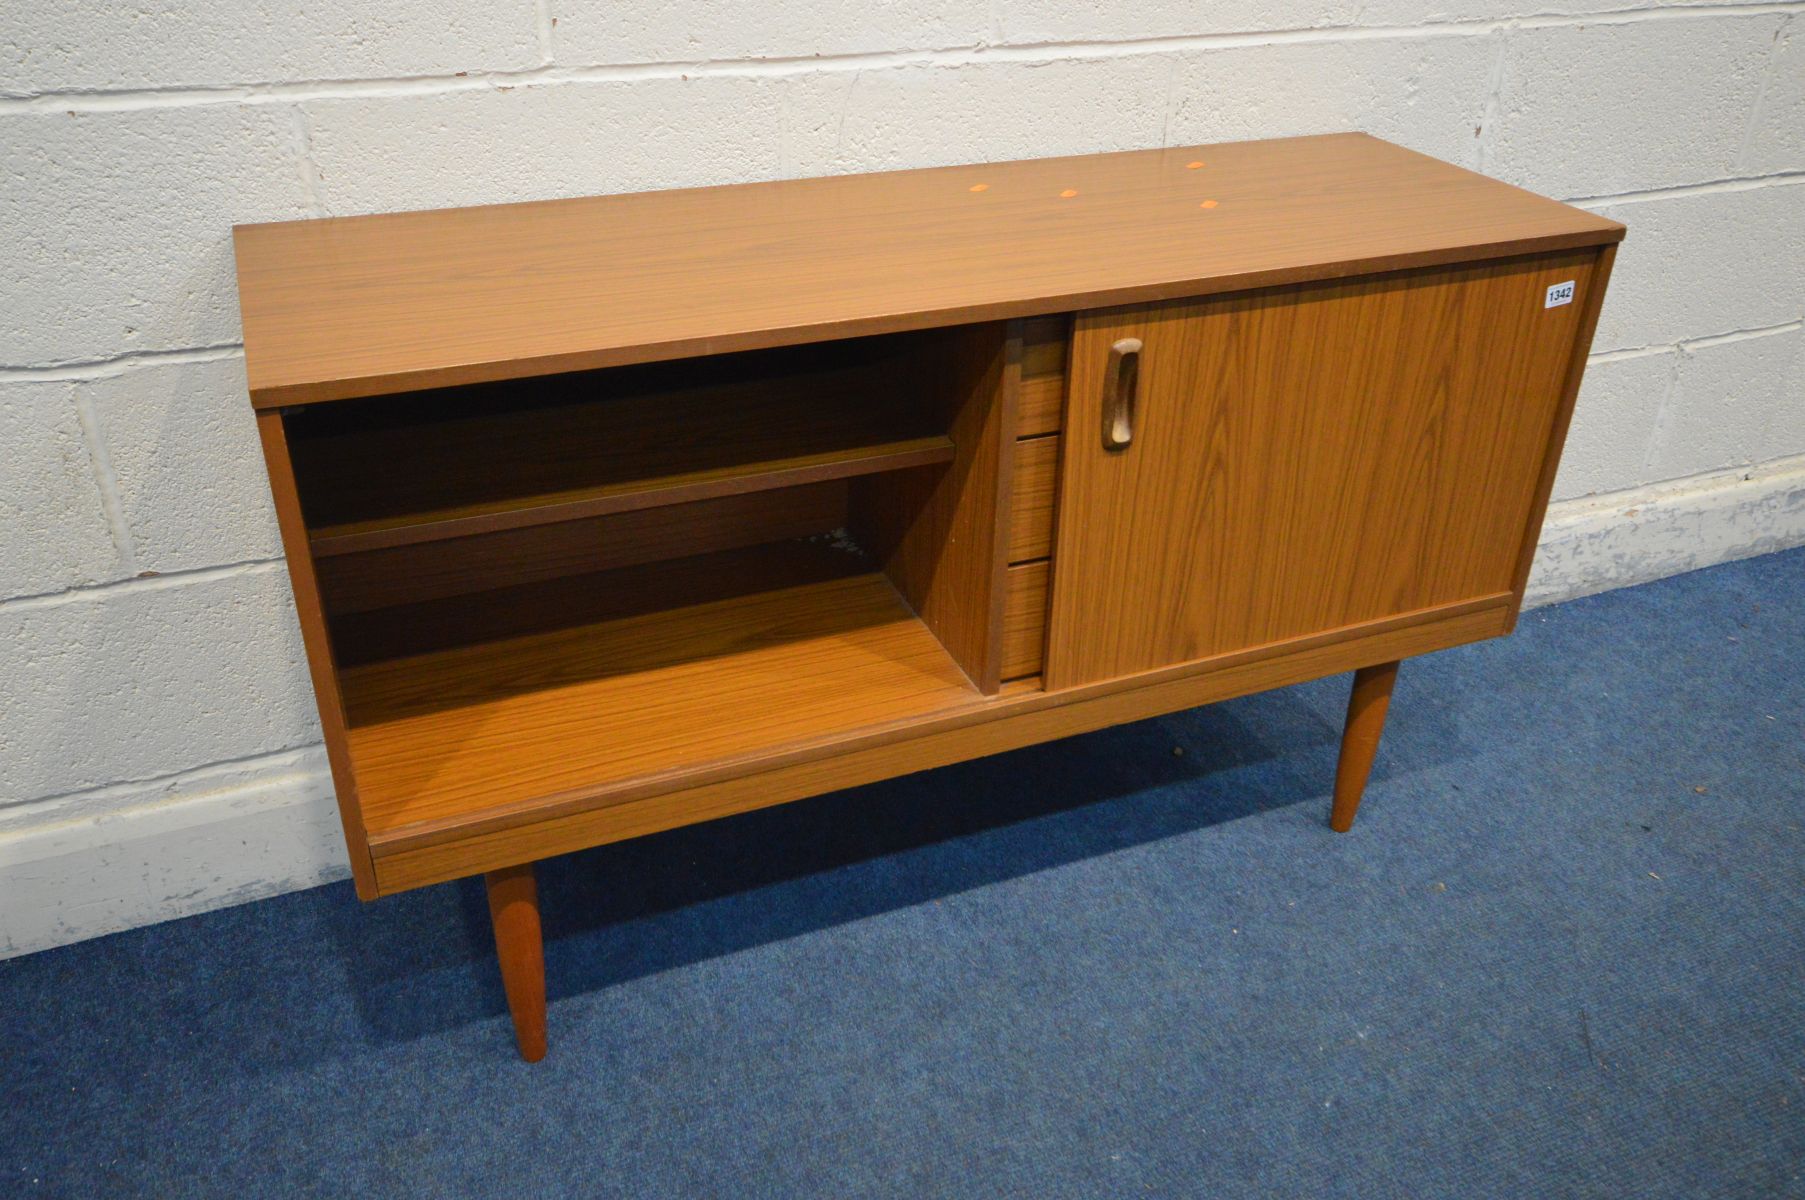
pixel 371 305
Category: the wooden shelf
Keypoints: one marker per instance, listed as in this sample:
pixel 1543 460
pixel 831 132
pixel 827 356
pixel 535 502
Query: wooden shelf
pixel 476 460
pixel 478 708
pixel 602 499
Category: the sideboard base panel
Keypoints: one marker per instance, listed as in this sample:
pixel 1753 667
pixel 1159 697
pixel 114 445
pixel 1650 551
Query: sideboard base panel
pixel 1021 716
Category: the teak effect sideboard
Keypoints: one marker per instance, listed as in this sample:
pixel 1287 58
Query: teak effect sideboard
pixel 610 515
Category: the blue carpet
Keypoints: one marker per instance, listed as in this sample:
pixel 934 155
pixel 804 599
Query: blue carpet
pixel 1561 954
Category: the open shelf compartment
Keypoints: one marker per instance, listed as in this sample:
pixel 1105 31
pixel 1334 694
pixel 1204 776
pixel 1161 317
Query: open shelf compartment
pixel 579 588
pixel 459 462
pixel 466 706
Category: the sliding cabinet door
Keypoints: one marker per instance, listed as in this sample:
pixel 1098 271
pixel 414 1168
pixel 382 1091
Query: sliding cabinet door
pixel 1247 469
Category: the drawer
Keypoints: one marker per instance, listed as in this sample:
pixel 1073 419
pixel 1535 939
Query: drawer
pixel 1040 406
pixel 1040 403
pixel 1024 619
pixel 1031 501
pixel 1044 345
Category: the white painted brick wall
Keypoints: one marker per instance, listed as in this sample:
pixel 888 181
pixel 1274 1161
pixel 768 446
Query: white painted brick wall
pixel 931 114
pixel 1428 93
pixel 135 44
pixel 1057 22
pixel 1704 263
pixel 1594 110
pixel 185 463
pixel 693 31
pixel 373 154
pixel 156 731
pixel 1731 400
pixel 1775 141
pixel 1614 423
pixel 53 532
pixel 131 682
pixel 118 223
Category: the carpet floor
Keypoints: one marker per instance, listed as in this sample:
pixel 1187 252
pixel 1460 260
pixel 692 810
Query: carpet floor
pixel 1561 954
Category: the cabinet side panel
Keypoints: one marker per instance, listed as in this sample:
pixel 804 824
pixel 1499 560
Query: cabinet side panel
pixel 1592 301
pixel 321 668
pixel 1305 458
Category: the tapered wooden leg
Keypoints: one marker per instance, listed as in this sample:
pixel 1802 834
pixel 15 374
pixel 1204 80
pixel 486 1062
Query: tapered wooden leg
pixel 514 909
pixel 1360 739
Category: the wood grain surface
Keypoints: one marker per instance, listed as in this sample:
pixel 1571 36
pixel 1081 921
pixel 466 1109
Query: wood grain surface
pixel 1024 620
pixel 420 571
pixel 316 640
pixel 475 460
pixel 1360 733
pixel 940 533
pixel 444 734
pixel 520 952
pixel 1044 345
pixel 1041 407
pixel 1591 302
pixel 370 305
pixel 1020 715
pixel 1305 458
pixel 1350 404
pixel 1031 513
pixel 506 611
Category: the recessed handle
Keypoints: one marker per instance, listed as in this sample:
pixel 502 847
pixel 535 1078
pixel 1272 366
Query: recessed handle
pixel 1119 389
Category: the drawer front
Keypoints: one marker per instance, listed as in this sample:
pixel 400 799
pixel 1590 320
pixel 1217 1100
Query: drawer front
pixel 1031 504
pixel 1024 620
pixel 1040 406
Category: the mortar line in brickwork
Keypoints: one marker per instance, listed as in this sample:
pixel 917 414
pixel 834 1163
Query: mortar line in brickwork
pixel 1739 335
pixel 1684 344
pixel 1479 27
pixel 1630 352
pixel 86 593
pixel 1742 184
pixel 204 779
pixel 75 370
pixel 287 92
